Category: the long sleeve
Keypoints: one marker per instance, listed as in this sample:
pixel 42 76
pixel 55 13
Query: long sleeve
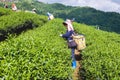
pixel 67 35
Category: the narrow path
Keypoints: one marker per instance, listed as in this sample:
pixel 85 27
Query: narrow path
pixel 76 74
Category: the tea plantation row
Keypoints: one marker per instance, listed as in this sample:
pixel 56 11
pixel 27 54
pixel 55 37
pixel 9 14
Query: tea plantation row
pixel 36 54
pixel 16 22
pixel 101 58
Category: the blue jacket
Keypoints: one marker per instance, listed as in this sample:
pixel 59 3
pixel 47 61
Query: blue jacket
pixel 68 35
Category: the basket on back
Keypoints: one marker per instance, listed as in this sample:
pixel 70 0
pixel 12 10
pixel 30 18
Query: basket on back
pixel 80 41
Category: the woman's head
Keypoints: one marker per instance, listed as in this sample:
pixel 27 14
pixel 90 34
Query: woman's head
pixel 68 21
pixel 68 24
pixel 65 24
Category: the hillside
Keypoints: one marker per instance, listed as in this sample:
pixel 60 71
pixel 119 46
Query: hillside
pixel 40 53
pixel 16 22
pixel 108 21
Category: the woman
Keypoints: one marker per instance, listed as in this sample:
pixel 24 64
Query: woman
pixel 5 6
pixel 67 35
pixel 50 16
pixel 14 8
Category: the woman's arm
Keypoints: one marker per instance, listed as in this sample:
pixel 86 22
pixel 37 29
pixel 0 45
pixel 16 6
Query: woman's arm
pixel 67 34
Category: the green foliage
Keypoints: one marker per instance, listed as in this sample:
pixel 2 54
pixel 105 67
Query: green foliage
pixel 41 54
pixel 101 57
pixel 5 11
pixel 36 54
pixel 19 21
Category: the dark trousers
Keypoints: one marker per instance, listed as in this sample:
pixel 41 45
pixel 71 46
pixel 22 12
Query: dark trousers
pixel 73 53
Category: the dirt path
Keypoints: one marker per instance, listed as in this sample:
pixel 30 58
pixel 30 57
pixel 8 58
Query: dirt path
pixel 76 74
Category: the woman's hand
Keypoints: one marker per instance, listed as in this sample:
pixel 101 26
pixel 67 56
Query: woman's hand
pixel 60 35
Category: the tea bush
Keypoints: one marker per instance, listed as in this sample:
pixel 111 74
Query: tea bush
pixel 4 11
pixel 20 21
pixel 101 57
pixel 36 54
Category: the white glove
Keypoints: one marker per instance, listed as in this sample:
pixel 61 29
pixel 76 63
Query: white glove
pixel 60 35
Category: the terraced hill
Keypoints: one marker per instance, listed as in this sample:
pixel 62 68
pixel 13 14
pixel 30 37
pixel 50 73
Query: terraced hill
pixel 40 53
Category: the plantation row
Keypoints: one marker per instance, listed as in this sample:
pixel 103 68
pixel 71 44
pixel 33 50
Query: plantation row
pixel 18 21
pixel 36 54
pixel 5 11
pixel 101 58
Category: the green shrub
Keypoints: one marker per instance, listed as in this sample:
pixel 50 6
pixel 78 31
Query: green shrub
pixel 36 54
pixel 101 57
pixel 20 21
pixel 4 11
